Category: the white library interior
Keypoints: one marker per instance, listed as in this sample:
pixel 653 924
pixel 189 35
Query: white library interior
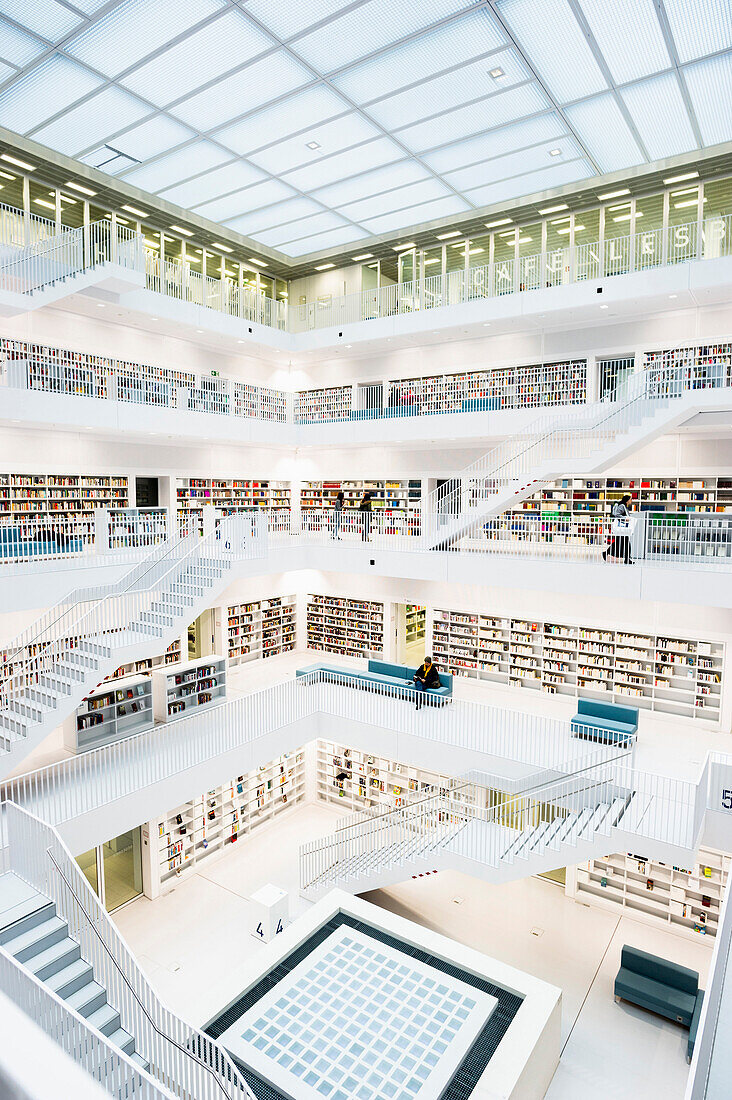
pixel 365 549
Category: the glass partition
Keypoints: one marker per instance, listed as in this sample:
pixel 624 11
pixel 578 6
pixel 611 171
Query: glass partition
pixel 122 868
pixel 717 224
pixel 649 231
pixel 683 212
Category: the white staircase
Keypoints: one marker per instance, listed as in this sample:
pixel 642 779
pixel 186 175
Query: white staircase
pixel 590 440
pixel 54 664
pixel 499 835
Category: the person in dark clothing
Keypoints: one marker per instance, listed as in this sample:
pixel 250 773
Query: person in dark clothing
pixel 619 546
pixel 365 510
pixel 424 678
pixel 337 515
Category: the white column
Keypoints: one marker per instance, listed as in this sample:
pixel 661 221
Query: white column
pixel 26 209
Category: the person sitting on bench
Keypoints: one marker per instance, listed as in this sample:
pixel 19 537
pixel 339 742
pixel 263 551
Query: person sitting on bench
pixel 425 677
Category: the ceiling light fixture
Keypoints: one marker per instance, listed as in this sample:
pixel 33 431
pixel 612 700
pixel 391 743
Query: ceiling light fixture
pixel 82 190
pixel 254 260
pixel 180 229
pixel 497 73
pixel 403 247
pixel 614 194
pixel 324 267
pixel 222 247
pixel 446 236
pixel 363 256
pixel 135 211
pixel 199 331
pixel 622 217
pixel 18 163
pixel 680 179
pixel 312 144
pixel 672 296
pixel 555 152
pixel 603 307
pixel 150 243
pixel 46 203
pixel 499 221
pixel 554 209
pixel 7 176
pixel 432 261
pixel 687 202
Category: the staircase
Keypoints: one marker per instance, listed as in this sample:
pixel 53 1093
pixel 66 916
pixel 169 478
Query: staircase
pixel 590 441
pixel 33 933
pixel 501 836
pixel 54 664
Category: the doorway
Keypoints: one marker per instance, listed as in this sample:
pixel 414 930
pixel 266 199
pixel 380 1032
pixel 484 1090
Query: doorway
pixel 114 869
pixel 410 624
pixel 147 492
pixel 614 373
pixel 202 636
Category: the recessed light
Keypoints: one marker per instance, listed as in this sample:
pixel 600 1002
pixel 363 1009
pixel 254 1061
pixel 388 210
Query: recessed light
pixel 403 247
pixel 100 305
pixel 7 176
pixel 499 221
pixel 554 209
pixel 18 163
pixel 180 229
pixel 153 318
pixel 432 260
pixel 496 73
pixel 349 345
pixel 486 324
pixel 686 202
pixel 254 260
pixel 324 267
pixel 363 256
pixel 672 296
pixel 240 341
pixel 150 243
pixel 44 202
pixel 223 247
pixel 603 307
pixel 622 217
pixel 555 152
pixel 199 331
pixel 312 144
pixel 446 236
pixel 680 179
pixel 78 187
pixel 135 211
pixel 614 194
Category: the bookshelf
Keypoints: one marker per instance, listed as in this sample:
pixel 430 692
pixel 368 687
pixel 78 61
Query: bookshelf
pixel 353 628
pixel 676 676
pixel 230 495
pixel 392 495
pixel 261 629
pixel 203 827
pixel 183 689
pixel 562 382
pixel 323 405
pixel 687 899
pixel 416 623
pixel 259 402
pixel 73 495
pixel 694 367
pixel 109 713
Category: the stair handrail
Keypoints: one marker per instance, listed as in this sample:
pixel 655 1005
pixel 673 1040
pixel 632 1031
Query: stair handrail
pixel 27 270
pixel 76 1036
pixel 102 614
pixel 38 855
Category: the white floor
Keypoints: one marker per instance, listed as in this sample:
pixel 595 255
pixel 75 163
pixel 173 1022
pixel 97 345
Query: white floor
pixel 194 941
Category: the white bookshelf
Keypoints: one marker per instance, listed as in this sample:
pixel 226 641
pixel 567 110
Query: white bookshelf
pixel 670 675
pixel 323 405
pixel 229 495
pixel 338 624
pixel 687 899
pixel 416 623
pixel 563 382
pixel 203 827
pixel 111 712
pixel 261 629
pixel 172 656
pixel 391 495
pixel 181 690
pixel 73 495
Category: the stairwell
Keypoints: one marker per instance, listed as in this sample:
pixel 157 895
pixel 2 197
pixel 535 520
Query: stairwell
pixel 33 933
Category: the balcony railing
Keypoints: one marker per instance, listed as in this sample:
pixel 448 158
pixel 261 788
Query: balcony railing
pixel 110 535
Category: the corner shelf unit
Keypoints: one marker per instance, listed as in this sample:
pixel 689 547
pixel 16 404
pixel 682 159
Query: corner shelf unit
pixel 675 676
pixel 73 495
pixel 187 688
pixel 230 495
pixel 205 826
pixel 563 382
pixel 111 712
pixel 391 495
pixel 263 628
pixel 353 628
pixel 687 899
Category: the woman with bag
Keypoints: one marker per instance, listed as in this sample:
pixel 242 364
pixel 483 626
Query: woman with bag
pixel 620 529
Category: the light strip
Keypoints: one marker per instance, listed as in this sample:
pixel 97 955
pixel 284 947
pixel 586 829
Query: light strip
pixel 135 211
pixel 180 229
pixel 324 267
pixel 18 163
pixel 446 236
pixel 254 260
pixel 614 194
pixel 403 247
pixel 499 221
pixel 222 247
pixel 78 187
pixel 554 209
pixel 681 178
pixel 363 256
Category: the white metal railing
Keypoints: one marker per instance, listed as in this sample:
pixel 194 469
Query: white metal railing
pixel 115 534
pixel 709 1075
pixel 82 784
pixel 83 631
pixel 88 1047
pixel 69 252
pixel 19 229
pixel 186 1061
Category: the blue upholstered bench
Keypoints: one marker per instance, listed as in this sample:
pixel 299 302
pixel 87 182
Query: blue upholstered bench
pixel 13 546
pixel 397 679
pixel 663 987
pixel 605 722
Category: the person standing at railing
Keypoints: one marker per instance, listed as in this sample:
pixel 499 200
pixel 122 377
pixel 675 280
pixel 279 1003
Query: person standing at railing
pixel 620 530
pixel 365 511
pixel 337 515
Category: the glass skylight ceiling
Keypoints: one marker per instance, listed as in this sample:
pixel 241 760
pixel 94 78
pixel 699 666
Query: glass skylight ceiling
pixel 309 126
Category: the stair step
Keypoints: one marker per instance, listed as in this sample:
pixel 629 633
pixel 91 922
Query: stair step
pixel 26 915
pixel 142 1062
pixel 105 1019
pixel 37 938
pixel 123 1040
pixel 70 979
pixel 59 956
pixel 87 997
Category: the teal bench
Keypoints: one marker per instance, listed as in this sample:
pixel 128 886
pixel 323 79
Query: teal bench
pixel 397 679
pixel 608 723
pixel 662 987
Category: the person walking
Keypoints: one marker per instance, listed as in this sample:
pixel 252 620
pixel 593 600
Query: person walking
pixel 424 678
pixel 365 510
pixel 620 530
pixel 337 515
